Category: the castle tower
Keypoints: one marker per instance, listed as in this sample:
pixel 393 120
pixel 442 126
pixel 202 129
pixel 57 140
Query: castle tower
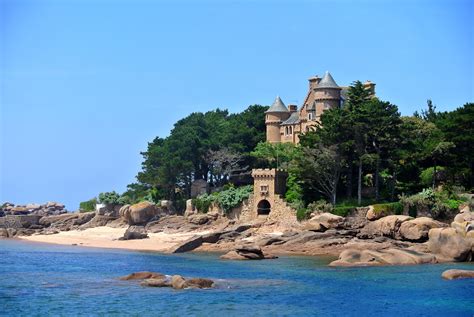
pixel 274 116
pixel 327 94
pixel 268 184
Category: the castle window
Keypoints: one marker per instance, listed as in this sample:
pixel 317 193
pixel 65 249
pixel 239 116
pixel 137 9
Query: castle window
pixel 264 189
pixel 310 116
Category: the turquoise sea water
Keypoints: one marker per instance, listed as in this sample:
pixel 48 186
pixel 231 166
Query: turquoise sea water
pixel 50 280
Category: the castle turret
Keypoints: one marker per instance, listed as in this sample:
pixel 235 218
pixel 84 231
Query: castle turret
pixel 274 116
pixel 327 94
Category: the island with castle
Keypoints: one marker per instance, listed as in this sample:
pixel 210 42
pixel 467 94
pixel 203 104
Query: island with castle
pixel 256 216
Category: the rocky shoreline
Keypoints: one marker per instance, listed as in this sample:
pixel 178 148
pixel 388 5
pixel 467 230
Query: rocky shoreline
pixel 355 240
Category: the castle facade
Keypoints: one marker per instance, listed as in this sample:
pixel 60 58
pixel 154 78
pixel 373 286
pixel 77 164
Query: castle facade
pixel 285 124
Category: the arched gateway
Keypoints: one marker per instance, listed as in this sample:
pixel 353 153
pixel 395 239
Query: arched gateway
pixel 268 186
pixel 263 207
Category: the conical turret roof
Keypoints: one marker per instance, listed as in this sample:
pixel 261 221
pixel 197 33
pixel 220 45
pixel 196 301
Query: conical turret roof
pixel 278 106
pixel 327 82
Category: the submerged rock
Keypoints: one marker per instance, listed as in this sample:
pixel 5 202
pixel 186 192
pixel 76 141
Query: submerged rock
pixel 142 275
pixel 457 274
pixel 391 256
pixel 152 279
pixel 156 282
pixel 198 283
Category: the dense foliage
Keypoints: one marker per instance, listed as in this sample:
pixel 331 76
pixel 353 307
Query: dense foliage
pixel 226 199
pixel 88 205
pixel 109 198
pixel 205 146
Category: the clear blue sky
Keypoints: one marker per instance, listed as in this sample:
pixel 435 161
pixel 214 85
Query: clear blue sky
pixel 86 84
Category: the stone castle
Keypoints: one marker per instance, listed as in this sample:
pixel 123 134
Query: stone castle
pixel 285 124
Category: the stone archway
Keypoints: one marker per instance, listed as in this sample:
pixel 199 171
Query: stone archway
pixel 263 207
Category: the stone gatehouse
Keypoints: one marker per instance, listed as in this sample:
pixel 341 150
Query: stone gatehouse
pixel 267 202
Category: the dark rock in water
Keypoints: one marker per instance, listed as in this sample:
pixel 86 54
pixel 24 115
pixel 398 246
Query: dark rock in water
pixel 247 252
pixel 198 283
pixel 188 245
pixel 134 232
pixel 457 274
pixel 142 276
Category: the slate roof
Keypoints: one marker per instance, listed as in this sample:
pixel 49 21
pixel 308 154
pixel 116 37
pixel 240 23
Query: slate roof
pixel 327 82
pixel 278 106
pixel 293 119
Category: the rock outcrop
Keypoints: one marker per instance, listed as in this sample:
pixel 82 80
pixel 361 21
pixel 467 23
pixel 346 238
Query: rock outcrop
pixel 387 226
pixel 139 214
pixel 324 221
pixel 134 232
pixel 418 228
pixel 457 242
pixel 457 274
pixel 447 243
pixel 247 252
pixel 49 208
pixel 187 245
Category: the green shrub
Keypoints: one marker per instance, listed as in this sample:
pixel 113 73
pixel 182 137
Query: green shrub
pixel 203 202
pixel 233 197
pixel 426 176
pixel 302 214
pixel 125 200
pixel 442 204
pixel 294 192
pixel 343 211
pixel 88 205
pixel 320 205
pixel 109 198
pixel 422 202
pixel 395 208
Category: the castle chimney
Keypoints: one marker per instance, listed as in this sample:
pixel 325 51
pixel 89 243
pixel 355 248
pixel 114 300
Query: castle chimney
pixel 370 86
pixel 313 82
pixel 293 108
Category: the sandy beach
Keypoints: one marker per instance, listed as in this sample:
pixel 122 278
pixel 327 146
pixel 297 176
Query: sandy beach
pixel 107 237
